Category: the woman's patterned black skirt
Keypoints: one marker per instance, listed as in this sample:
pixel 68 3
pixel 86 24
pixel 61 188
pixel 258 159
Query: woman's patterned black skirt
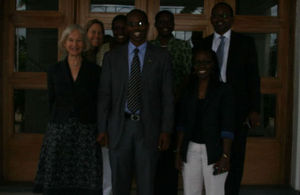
pixel 70 160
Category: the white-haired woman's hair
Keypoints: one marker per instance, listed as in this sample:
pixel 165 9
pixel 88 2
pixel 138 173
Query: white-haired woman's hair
pixel 68 30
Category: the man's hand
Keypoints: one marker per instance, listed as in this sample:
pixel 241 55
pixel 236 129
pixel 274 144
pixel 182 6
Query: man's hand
pixel 164 141
pixel 102 139
pixel 254 119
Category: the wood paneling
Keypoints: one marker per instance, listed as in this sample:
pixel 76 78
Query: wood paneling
pixel 29 80
pixel 262 152
pixel 1 88
pixel 291 16
pixel 23 156
pixel 266 24
pixel 41 19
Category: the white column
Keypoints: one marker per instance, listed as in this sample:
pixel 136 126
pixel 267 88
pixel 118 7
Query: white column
pixel 295 168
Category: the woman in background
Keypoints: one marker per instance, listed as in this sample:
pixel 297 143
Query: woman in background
pixel 70 159
pixel 95 34
pixel 206 119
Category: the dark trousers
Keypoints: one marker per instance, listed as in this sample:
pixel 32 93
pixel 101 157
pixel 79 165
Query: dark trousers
pixel 132 156
pixel 237 158
pixel 166 179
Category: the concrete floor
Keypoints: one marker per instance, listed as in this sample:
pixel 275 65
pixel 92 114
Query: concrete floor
pixel 25 189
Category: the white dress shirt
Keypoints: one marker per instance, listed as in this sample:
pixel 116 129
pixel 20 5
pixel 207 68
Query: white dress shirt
pixel 215 45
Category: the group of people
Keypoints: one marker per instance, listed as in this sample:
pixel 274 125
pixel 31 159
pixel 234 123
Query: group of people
pixel 145 110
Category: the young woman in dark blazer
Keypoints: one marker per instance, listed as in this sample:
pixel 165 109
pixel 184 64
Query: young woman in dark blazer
pixel 206 123
pixel 70 160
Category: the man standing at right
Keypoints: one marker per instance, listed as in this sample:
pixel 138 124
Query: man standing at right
pixel 238 67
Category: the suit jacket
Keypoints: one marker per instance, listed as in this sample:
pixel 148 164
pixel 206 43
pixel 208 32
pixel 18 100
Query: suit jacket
pixel 73 99
pixel 242 73
pixel 218 118
pixel 157 97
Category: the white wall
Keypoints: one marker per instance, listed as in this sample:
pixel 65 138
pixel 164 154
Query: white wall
pixel 295 168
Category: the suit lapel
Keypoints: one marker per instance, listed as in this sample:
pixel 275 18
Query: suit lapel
pixel 231 52
pixel 210 40
pixel 147 61
pixel 124 67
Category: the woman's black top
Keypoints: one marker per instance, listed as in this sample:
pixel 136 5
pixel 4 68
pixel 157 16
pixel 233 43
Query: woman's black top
pixel 69 98
pixel 197 131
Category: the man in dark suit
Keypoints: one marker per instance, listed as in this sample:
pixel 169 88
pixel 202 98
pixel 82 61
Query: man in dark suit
pixel 238 67
pixel 166 180
pixel 135 107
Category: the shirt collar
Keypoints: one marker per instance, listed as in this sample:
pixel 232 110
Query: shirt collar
pixel 226 35
pixel 141 48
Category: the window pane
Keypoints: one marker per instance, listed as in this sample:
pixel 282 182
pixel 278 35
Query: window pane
pixel 108 36
pixel 183 6
pixel 193 37
pixel 268 113
pixel 267 49
pixel 111 5
pixel 22 5
pixel 109 32
pixel 31 111
pixel 257 7
pixel 35 49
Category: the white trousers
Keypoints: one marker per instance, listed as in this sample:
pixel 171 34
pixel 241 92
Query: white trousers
pixel 107 188
pixel 196 171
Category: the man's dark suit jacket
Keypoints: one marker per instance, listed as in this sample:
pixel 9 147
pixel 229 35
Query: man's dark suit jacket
pixel 242 73
pixel 157 94
pixel 73 99
pixel 218 115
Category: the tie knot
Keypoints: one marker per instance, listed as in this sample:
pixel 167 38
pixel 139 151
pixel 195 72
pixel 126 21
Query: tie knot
pixel 222 38
pixel 136 51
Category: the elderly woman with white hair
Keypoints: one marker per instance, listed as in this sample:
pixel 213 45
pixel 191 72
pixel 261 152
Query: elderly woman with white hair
pixel 70 159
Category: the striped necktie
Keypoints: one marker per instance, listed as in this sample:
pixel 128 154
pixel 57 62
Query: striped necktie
pixel 134 85
pixel 220 51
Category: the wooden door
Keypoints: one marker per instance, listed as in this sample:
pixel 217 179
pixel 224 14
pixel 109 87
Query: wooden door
pixel 269 23
pixel 31 33
pixel 268 149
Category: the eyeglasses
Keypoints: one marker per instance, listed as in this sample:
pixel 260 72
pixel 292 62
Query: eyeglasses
pixel 223 16
pixel 136 24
